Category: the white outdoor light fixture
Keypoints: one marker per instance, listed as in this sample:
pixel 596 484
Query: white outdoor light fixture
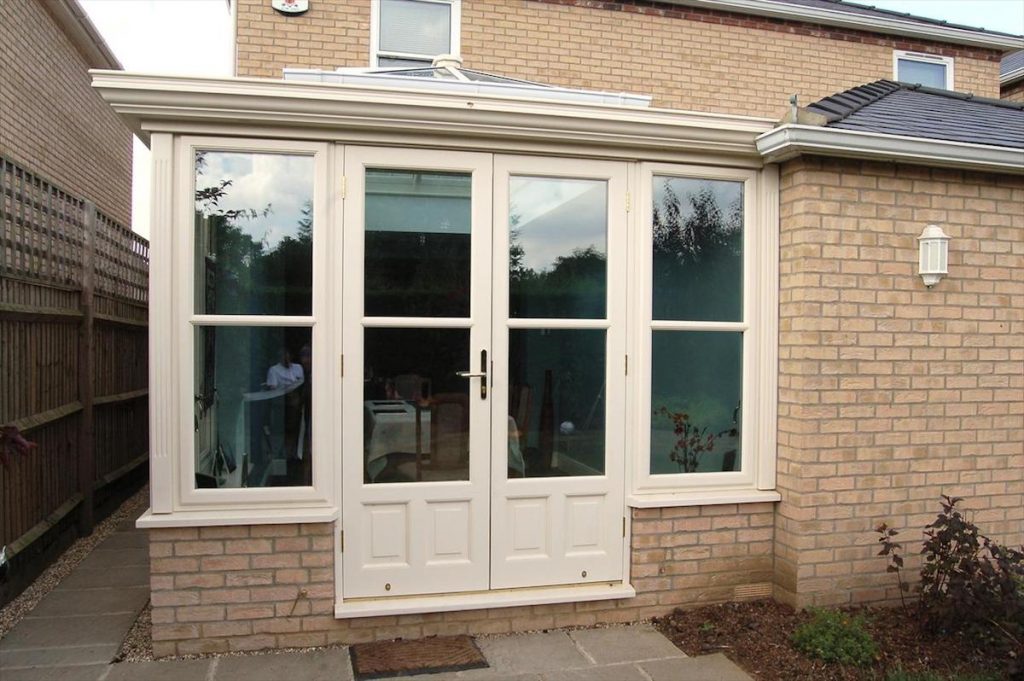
pixel 934 255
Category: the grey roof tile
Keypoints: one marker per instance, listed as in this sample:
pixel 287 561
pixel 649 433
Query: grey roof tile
pixel 1011 62
pixel 910 110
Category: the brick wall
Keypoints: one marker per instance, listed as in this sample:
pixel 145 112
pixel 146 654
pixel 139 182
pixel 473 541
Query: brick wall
pixel 51 120
pixel 687 58
pixel 250 587
pixel 889 393
pixel 1014 92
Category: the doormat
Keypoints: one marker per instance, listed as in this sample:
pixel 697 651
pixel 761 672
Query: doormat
pixel 421 656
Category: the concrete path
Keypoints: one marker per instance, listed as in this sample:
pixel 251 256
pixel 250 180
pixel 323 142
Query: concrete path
pixel 77 629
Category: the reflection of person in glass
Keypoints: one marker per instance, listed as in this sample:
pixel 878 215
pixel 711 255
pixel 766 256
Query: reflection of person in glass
pixel 306 360
pixel 289 376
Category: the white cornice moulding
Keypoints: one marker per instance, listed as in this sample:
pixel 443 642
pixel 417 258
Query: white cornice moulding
pixel 888 25
pixel 79 29
pixel 789 141
pixel 152 103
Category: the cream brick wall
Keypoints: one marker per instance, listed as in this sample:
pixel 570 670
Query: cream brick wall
pixel 889 393
pixel 1014 93
pixel 51 120
pixel 216 589
pixel 686 58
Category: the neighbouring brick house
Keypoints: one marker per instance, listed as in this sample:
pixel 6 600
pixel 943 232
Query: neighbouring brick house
pixel 1011 77
pixel 485 342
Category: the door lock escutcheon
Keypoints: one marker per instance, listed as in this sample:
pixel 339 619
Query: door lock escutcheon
pixel 482 374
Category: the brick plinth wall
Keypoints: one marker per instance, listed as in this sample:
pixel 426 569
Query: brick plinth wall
pixel 218 589
pixel 891 394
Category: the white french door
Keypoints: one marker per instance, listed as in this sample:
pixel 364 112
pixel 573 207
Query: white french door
pixel 483 389
pixel 559 372
pixel 417 321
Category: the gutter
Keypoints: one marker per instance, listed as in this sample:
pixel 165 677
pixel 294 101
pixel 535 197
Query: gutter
pixel 893 25
pixel 789 141
pixel 79 29
pixel 1011 77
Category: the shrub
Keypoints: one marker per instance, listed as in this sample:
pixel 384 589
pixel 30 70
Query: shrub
pixel 834 636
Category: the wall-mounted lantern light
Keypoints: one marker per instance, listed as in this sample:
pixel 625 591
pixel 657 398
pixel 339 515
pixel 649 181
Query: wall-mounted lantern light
pixel 934 255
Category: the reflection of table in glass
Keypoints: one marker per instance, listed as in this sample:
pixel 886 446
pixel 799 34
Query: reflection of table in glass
pixel 402 427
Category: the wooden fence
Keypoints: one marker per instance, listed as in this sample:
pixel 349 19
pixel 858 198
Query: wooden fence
pixel 73 353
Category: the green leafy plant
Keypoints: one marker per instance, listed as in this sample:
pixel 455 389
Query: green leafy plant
pixel 891 550
pixel 835 636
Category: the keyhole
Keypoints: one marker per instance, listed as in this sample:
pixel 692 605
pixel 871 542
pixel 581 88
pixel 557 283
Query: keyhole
pixel 387 587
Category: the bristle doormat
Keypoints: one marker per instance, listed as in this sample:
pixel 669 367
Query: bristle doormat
pixel 421 656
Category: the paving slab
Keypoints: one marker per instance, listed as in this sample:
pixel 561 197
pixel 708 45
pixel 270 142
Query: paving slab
pixel 111 558
pixel 61 602
pixel 608 672
pixel 100 653
pixel 68 632
pixel 715 667
pixel 624 644
pixel 175 670
pixel 319 665
pixel 116 577
pixel 136 539
pixel 92 672
pixel 549 651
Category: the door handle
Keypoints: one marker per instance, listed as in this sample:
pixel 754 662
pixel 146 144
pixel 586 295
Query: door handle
pixel 482 374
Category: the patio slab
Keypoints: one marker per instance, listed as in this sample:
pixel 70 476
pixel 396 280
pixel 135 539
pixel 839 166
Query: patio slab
pixel 92 672
pixel 318 665
pixel 60 602
pixel 174 670
pixel 715 667
pixel 616 644
pixel 113 577
pixel 550 651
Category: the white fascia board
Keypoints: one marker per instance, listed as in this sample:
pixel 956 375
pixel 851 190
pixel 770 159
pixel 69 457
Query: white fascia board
pixel 888 25
pixel 153 103
pixel 79 29
pixel 1011 77
pixel 789 141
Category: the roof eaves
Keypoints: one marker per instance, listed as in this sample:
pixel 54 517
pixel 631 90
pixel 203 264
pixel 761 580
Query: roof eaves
pixel 83 34
pixel 894 25
pixel 1011 77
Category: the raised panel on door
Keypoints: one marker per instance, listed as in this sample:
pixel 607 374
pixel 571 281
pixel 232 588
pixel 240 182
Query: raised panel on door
pixel 416 428
pixel 559 383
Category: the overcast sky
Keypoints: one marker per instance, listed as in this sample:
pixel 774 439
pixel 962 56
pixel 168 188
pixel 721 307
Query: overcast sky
pixel 193 37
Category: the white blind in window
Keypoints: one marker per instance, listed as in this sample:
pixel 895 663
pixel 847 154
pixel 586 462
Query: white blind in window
pixel 415 27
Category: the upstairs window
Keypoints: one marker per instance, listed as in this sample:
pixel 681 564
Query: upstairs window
pixel 924 69
pixel 413 32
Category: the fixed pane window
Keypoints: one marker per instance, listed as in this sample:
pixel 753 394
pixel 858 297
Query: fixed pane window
pixel 923 71
pixel 697 250
pixel 415 27
pixel 253 406
pixel 253 233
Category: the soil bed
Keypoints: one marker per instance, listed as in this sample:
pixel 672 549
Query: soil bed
pixel 756 636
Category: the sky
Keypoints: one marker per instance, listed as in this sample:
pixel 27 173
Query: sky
pixel 193 37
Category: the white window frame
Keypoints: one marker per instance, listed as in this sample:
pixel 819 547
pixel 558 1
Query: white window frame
pixel 185 321
pixel 759 325
pixel 454 38
pixel 923 58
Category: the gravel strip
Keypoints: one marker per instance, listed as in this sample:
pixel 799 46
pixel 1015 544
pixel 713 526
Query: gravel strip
pixel 138 644
pixel 12 613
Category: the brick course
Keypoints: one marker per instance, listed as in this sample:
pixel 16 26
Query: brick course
pixel 218 589
pixel 686 58
pixel 51 120
pixel 889 393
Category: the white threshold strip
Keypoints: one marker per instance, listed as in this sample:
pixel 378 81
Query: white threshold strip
pixel 479 600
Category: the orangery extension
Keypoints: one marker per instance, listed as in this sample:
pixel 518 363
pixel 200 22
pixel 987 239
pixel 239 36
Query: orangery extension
pixel 472 316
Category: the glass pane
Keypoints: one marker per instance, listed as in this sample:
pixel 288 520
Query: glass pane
pixel 556 402
pixel 929 75
pixel 415 27
pixel 558 247
pixel 415 407
pixel 417 259
pixel 254 233
pixel 253 399
pixel 390 62
pixel 698 249
pixel 696 388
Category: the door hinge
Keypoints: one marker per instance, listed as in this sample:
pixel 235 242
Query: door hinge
pixel 627 365
pixel 629 202
pixel 344 186
pixel 623 526
pixel 341 541
pixel 341 363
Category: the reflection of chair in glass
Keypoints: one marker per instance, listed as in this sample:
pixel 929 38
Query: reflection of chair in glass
pixel 448 448
pixel 411 387
pixel 520 402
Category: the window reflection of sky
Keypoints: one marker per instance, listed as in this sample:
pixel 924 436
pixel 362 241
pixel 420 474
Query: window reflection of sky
pixel 727 194
pixel 552 217
pixel 281 182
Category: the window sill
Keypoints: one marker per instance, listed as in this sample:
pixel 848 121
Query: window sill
pixel 477 600
pixel 209 518
pixel 702 498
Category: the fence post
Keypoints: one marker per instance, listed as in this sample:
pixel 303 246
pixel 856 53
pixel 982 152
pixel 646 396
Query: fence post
pixel 86 371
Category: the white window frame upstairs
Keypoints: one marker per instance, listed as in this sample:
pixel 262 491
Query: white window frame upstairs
pixel 454 35
pixel 759 324
pixel 185 321
pixel 924 58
